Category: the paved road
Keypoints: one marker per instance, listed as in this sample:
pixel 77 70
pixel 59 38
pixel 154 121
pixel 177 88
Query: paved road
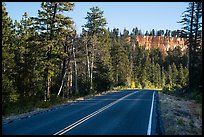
pixel 119 113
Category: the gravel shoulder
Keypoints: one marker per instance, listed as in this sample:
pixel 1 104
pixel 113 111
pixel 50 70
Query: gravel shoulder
pixel 180 116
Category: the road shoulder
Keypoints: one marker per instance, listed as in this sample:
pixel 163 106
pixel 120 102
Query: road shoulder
pixel 180 116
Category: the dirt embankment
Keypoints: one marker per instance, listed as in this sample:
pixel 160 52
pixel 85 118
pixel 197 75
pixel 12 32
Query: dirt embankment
pixel 180 116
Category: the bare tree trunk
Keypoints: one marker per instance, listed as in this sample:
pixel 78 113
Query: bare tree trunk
pixel 63 73
pixel 131 58
pixel 48 85
pixel 49 79
pixel 92 64
pixel 71 84
pixel 45 93
pixel 87 55
pixel 62 84
pixel 94 42
pixel 69 81
pixel 75 68
pixel 49 88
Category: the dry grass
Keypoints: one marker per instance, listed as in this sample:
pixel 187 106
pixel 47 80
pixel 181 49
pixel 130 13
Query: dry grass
pixel 180 116
pixel 65 102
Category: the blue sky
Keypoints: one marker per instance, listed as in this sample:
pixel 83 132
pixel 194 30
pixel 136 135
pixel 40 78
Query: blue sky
pixel 143 15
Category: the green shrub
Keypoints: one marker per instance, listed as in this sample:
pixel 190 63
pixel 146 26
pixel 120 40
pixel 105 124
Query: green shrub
pixel 167 88
pixel 44 104
pixel 119 88
pixel 176 87
pixel 147 84
pixel 138 85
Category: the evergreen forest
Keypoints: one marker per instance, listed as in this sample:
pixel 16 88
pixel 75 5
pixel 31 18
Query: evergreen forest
pixel 44 60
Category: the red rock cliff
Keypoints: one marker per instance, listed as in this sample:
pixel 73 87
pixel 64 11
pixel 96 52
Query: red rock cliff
pixel 163 43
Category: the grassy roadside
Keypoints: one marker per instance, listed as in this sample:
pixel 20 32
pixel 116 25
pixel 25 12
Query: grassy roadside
pixel 181 111
pixel 181 114
pixel 195 94
pixel 19 108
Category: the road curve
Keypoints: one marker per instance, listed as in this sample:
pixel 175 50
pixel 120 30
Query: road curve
pixel 126 112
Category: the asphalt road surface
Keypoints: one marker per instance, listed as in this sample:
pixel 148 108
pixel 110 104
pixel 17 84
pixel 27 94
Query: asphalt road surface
pixel 126 112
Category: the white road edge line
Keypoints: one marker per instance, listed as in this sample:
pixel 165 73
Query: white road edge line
pixel 150 117
pixel 66 129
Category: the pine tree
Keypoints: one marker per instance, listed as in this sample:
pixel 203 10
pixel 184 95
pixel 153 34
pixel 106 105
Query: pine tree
pixel 152 33
pixel 197 50
pixel 163 78
pixel 181 77
pixel 158 76
pixel 82 59
pixel 135 31
pixel 125 33
pixel 24 59
pixel 191 20
pixel 85 40
pixel 174 74
pixel 143 78
pixel 169 75
pixel 158 33
pixel 104 75
pixel 148 65
pixel 162 32
pixel 146 33
pixel 186 75
pixel 94 42
pixel 115 33
pixel 124 41
pixel 153 76
pixel 95 21
pixel 50 23
pixel 9 93
pixel 95 28
pixel 121 66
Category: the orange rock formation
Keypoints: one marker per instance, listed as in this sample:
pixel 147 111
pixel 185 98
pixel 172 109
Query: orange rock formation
pixel 161 42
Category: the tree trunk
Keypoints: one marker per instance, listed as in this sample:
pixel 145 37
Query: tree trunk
pixel 63 73
pixel 92 64
pixel 195 38
pixel 49 80
pixel 69 81
pixel 62 84
pixel 117 76
pixel 87 59
pixel 190 49
pixel 48 77
pixel 75 69
pixel 131 55
pixel 46 83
